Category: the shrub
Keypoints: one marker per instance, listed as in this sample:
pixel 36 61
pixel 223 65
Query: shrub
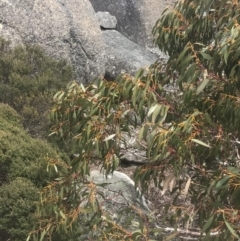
pixel 23 172
pixel 17 207
pixel 21 155
pixel 28 78
pixel 10 115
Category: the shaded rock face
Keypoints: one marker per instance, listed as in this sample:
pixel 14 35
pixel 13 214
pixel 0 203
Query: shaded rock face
pixel 127 15
pixel 136 18
pixel 124 56
pixel 66 29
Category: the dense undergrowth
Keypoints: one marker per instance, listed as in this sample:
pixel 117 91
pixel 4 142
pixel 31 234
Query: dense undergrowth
pixel 28 80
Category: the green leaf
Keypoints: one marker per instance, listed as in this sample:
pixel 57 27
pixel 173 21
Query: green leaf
pixel 230 227
pixel 208 224
pixel 235 197
pixel 222 181
pixel 140 135
pixel 84 168
pixel 156 113
pixel 42 235
pixel 205 56
pixel 74 115
pixel 208 119
pixel 55 167
pixel 200 142
pixel 125 113
pixel 212 184
pixel 202 86
pixel 189 73
pixel 164 113
pixel 134 96
pixel 225 53
pixel 82 87
pixel 145 131
pixel 61 95
pixel 234 170
pixel 139 73
pixel 182 54
pixel 151 110
pixel 186 61
pixel 89 130
pixel 62 215
pixel 136 234
pixel 217 204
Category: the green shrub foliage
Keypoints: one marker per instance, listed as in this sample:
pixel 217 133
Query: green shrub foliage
pixel 17 207
pixel 21 155
pixel 192 130
pixel 23 172
pixel 28 79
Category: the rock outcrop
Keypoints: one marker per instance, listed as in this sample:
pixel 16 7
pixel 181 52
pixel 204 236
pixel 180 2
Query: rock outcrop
pixel 106 20
pixel 119 193
pixel 120 189
pixel 66 29
pixel 124 56
pixel 135 18
pixel 116 194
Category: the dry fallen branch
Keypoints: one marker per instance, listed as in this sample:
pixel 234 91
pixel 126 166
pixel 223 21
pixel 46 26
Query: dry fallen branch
pixel 189 232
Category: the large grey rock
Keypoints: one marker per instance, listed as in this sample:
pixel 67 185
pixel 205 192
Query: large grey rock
pixel 116 193
pixel 119 190
pixel 63 28
pixel 124 56
pixel 136 18
pixel 106 20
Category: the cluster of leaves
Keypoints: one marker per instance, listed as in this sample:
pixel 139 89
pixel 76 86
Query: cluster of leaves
pixel 193 130
pixel 23 172
pixel 28 79
pixel 90 112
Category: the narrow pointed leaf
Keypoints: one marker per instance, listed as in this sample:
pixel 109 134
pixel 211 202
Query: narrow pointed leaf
pixel 151 110
pixel 201 87
pixel 109 137
pixel 200 143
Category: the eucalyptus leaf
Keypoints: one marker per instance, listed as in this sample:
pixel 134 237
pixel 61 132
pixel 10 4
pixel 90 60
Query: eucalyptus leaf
pixel 109 137
pixel 200 142
pixel 202 85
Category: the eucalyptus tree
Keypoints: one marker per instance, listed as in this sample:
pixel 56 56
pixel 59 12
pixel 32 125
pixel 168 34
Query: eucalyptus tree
pixel 191 130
